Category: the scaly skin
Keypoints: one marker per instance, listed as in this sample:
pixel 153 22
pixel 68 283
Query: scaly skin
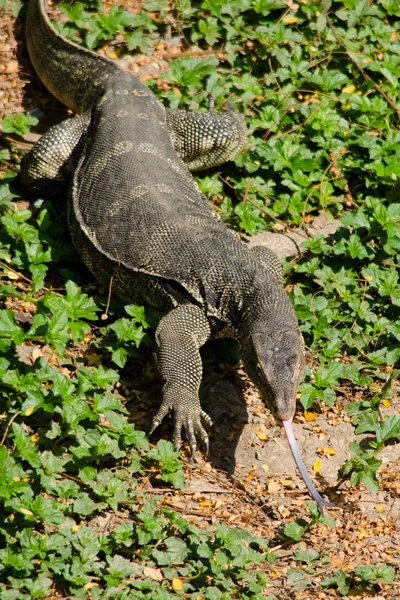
pixel 137 216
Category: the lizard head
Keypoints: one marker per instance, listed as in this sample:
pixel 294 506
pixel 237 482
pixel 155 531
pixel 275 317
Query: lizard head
pixel 275 363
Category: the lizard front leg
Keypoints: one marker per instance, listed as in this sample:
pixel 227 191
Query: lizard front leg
pixel 179 337
pixel 47 169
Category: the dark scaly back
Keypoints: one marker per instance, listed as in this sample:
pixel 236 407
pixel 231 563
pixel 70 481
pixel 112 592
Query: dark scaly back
pixel 73 75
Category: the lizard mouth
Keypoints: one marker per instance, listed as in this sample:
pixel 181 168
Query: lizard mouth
pixel 285 407
pixel 287 424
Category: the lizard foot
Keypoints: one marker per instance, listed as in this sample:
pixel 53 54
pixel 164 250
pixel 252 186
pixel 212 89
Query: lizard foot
pixel 189 418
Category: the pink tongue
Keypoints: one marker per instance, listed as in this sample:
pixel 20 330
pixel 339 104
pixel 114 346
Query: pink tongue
pixel 301 467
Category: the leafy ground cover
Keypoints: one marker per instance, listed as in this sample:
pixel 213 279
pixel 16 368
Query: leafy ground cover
pixel 83 494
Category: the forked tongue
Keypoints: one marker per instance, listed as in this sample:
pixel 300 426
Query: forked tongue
pixel 301 467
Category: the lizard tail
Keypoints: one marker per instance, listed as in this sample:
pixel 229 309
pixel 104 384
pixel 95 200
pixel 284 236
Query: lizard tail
pixel 72 74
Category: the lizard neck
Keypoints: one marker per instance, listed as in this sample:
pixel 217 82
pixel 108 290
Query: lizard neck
pixel 266 308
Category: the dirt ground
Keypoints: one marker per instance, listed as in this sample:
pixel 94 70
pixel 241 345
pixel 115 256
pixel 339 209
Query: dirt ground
pixel 250 480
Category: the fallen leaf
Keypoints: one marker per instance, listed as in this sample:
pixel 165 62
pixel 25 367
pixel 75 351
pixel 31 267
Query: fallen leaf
pixel 310 416
pixel 11 275
pixel 89 585
pixel 289 20
pixel 274 486
pixel 330 451
pixel 274 574
pixel 154 574
pixel 177 584
pixel 36 353
pixel 386 403
pixel 349 89
pixel 12 67
pixel 232 518
pixel 317 465
pixel 283 511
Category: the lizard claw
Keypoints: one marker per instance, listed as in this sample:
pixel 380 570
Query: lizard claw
pixel 154 426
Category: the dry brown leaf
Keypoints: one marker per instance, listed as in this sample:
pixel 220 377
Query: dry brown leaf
pixel 36 353
pixel 11 275
pixel 310 416
pixel 89 585
pixel 232 518
pixel 274 486
pixel 154 574
pixel 12 67
pixel 283 511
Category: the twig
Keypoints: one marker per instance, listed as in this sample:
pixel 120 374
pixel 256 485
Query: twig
pixel 8 427
pixel 16 272
pixel 246 191
pixel 20 275
pixel 105 315
pixel 389 264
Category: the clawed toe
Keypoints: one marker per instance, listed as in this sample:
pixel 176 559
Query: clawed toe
pixel 154 426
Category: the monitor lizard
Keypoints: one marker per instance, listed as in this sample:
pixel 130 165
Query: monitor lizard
pixel 139 220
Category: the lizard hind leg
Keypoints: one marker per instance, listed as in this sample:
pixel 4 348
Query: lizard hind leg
pixel 206 139
pixel 47 169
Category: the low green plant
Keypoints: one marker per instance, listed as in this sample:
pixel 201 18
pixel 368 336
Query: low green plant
pixel 70 455
pixel 318 83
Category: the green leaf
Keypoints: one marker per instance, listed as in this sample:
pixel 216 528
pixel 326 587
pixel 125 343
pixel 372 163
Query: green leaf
pixel 19 123
pixel 138 313
pixel 340 580
pixel 298 579
pixel 375 573
pixel 175 553
pixel 25 445
pixel 85 506
pixel 306 556
pixel 9 329
pixel 120 568
pixel 294 530
pixel 389 428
